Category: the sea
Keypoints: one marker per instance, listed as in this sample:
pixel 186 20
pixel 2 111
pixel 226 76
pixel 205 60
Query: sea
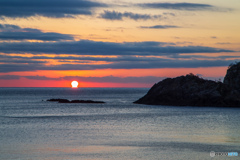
pixel 32 128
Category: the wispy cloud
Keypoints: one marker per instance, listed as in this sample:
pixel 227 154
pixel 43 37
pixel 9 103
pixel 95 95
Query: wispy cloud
pixel 177 6
pixel 8 27
pixel 37 77
pixel 159 27
pixel 13 32
pixel 115 15
pixel 47 8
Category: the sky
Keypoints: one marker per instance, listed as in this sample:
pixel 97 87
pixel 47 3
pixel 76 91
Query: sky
pixel 115 43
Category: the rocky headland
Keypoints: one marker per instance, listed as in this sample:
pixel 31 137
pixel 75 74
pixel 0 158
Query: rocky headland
pixel 191 90
pixel 73 101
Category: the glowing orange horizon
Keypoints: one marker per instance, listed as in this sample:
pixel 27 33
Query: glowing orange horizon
pixel 164 72
pixel 160 72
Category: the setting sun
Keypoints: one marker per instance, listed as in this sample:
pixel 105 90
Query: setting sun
pixel 74 84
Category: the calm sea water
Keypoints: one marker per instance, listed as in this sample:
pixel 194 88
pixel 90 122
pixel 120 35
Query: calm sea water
pixel 33 129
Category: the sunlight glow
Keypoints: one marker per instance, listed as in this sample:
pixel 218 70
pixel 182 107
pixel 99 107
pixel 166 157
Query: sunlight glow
pixel 74 84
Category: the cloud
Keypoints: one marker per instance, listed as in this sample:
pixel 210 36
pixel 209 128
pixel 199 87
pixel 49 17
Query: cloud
pixel 177 6
pixel 23 60
pixel 159 63
pixel 118 59
pixel 224 43
pixel 8 27
pixel 9 77
pixel 41 78
pixel 87 47
pixel 4 68
pixel 127 55
pixel 159 27
pixel 13 32
pixel 46 8
pixel 114 15
pixel 214 37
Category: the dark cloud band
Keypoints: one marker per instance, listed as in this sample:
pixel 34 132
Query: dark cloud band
pixel 47 8
pixel 86 47
pixel 13 32
pixel 160 63
pixel 177 6
pixel 128 55
pixel 114 15
pixel 159 27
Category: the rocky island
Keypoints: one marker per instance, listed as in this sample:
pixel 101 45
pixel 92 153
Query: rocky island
pixel 191 90
pixel 73 101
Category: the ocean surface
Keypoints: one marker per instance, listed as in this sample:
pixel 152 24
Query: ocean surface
pixel 32 128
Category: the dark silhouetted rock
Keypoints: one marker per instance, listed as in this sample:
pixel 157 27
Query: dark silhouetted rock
pixel 73 101
pixel 59 100
pixel 232 78
pixel 190 90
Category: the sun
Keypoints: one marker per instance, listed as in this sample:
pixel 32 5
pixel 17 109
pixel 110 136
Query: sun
pixel 74 84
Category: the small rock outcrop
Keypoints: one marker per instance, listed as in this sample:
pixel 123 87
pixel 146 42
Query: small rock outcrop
pixel 73 101
pixel 190 90
pixel 59 100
